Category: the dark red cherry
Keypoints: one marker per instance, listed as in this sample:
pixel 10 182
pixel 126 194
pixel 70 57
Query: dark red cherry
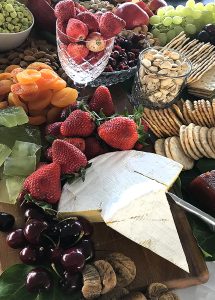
pixel 28 255
pixel 33 230
pixel 6 222
pixel 85 246
pixel 70 232
pixel 73 260
pixel 38 280
pixel 16 239
pixel 35 213
pixel 56 255
pixel 71 283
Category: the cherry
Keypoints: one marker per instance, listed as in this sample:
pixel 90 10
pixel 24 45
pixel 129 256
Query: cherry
pixel 38 280
pixel 33 230
pixel 73 260
pixel 53 231
pixel 70 232
pixel 43 254
pixel 6 222
pixel 85 246
pixel 35 213
pixel 56 255
pixel 210 28
pixel 16 239
pixel 71 282
pixel 28 255
pixel 204 36
pixel 87 226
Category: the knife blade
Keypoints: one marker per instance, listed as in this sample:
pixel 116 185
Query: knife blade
pixel 194 210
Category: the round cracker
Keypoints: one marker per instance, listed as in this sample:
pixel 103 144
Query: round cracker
pixel 191 142
pixel 153 128
pixel 182 140
pixel 204 142
pixel 201 111
pixel 151 116
pixel 159 147
pixel 170 121
pixel 209 136
pixel 210 112
pixel 189 107
pixel 188 145
pixel 186 116
pixel 174 118
pixel 196 138
pixel 163 122
pixel 158 123
pixel 213 137
pixel 166 146
pixel 178 153
pixel 213 106
pixel 179 114
pixel 201 121
pixel 205 110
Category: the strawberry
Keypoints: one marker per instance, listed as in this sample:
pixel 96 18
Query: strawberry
pixel 79 123
pixel 80 7
pixel 70 158
pixel 138 146
pixel 76 30
pixel 95 42
pixel 61 31
pixel 65 10
pixel 44 184
pixel 53 129
pixel 48 154
pixel 77 52
pixel 93 147
pixel 110 25
pixel 77 142
pixel 119 132
pixel 89 19
pixel 102 100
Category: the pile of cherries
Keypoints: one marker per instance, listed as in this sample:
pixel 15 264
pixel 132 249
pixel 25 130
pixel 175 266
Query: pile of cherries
pixel 63 244
pixel 126 52
pixel 207 34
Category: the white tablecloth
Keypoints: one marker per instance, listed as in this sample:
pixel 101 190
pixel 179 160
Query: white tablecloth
pixel 202 292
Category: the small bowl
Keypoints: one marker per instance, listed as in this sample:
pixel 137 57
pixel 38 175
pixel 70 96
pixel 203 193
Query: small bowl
pixel 9 41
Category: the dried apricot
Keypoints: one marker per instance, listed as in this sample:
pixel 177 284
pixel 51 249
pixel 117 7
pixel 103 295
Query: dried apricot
pixel 5 86
pixel 39 66
pixel 37 120
pixel 6 76
pixel 3 104
pixel 16 71
pixel 48 77
pixel 58 84
pixel 28 76
pixel 14 100
pixel 34 113
pixel 53 114
pixel 64 97
pixel 24 89
pixel 30 97
pixel 44 99
pixel 10 68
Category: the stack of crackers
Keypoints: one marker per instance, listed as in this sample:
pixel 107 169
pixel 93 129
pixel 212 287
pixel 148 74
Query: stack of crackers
pixel 205 86
pixel 201 55
pixel 193 143
pixel 167 122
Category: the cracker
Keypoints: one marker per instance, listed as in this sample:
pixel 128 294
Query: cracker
pixel 186 116
pixel 201 111
pixel 199 117
pixel 189 109
pixel 190 151
pixel 179 114
pixel 182 140
pixel 196 138
pixel 210 112
pixel 159 147
pixel 213 106
pixel 153 127
pixel 191 142
pixel 179 155
pixel 206 82
pixel 158 123
pixel 166 146
pixel 174 118
pixel 213 137
pixel 171 119
pixel 163 122
pixel 204 142
pixel 209 136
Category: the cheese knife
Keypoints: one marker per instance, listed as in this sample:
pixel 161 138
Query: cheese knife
pixel 194 210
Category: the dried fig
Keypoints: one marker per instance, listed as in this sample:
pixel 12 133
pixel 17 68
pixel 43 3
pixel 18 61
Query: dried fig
pixel 157 289
pixel 169 296
pixel 91 282
pixel 124 268
pixel 135 296
pixel 117 293
pixel 107 275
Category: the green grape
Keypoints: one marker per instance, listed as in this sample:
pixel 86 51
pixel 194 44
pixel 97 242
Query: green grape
pixel 170 13
pixel 170 35
pixel 189 20
pixel 20 15
pixel 167 21
pixel 178 29
pixel 199 6
pixel 197 14
pixel 0 6
pixel 179 8
pixel 207 17
pixel 177 20
pixel 154 20
pixel 190 29
pixel 13 14
pixel 160 12
pixel 9 7
pixel 210 7
pixel 187 11
pixel 168 7
pixel 8 19
pixel 190 3
pixel 155 32
pixel 162 39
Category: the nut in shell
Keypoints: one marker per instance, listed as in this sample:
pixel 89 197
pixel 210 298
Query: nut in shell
pixel 156 290
pixel 124 268
pixel 169 296
pixel 91 282
pixel 107 275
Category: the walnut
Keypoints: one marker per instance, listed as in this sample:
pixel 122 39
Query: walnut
pixel 135 296
pixel 168 296
pixel 124 268
pixel 117 293
pixel 107 275
pixel 91 282
pixel 156 290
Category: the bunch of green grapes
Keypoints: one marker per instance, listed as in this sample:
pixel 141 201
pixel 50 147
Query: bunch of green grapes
pixel 14 16
pixel 191 18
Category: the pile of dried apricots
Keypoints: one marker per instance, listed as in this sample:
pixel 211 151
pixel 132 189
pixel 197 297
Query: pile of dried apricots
pixel 38 89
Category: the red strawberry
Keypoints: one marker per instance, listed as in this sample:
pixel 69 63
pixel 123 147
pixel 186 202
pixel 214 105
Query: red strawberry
pixel 89 19
pixel 61 31
pixel 93 147
pixel 53 129
pixel 138 146
pixel 41 165
pixel 76 30
pixel 65 10
pixel 70 158
pixel 44 184
pixel 77 52
pixel 110 25
pixel 77 142
pixel 102 100
pixel 79 123
pixel 48 153
pixel 98 15
pixel 120 133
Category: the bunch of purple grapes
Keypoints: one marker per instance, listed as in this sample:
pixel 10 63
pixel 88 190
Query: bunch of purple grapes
pixel 46 240
pixel 207 34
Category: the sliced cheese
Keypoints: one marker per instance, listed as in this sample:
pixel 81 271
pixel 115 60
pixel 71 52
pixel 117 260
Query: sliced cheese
pixel 109 176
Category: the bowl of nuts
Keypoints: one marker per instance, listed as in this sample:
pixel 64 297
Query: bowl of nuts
pixel 16 22
pixel 161 76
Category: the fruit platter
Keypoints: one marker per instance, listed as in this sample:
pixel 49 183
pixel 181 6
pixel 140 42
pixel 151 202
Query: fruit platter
pixel 107 148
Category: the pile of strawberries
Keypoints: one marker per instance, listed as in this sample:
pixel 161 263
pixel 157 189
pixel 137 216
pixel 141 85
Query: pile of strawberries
pixel 83 33
pixel 88 131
